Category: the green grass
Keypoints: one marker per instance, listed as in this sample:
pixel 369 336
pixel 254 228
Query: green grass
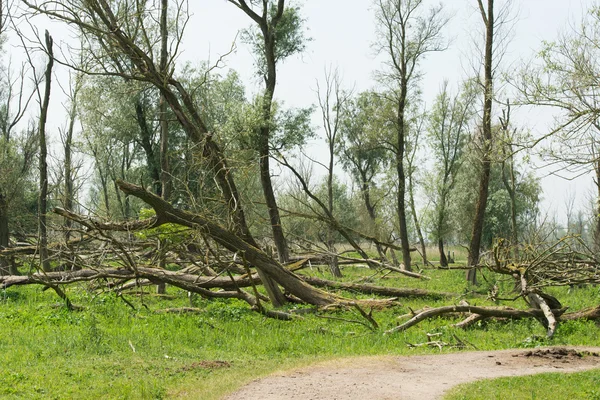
pixel 581 385
pixel 47 352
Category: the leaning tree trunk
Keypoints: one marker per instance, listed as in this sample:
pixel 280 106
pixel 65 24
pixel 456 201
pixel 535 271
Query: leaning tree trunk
pixel 334 266
pixel 413 210
pixel 166 213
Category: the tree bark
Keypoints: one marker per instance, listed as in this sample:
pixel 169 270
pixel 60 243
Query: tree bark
pixel 401 200
pixel 165 173
pixel 443 259
pixel 413 210
pixel 484 180
pixel 68 168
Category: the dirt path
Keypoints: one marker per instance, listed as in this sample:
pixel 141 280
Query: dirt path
pixel 412 377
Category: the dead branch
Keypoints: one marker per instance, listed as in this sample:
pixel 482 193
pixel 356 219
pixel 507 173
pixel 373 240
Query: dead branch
pixel 504 312
pixel 377 290
pixel 592 313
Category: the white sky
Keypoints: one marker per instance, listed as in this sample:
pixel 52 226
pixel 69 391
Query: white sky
pixel 342 32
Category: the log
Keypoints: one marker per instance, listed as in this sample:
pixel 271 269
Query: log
pixel 377 290
pixel 483 311
pixel 592 313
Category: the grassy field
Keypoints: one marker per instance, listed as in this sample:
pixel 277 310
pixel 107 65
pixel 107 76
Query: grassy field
pixel 109 350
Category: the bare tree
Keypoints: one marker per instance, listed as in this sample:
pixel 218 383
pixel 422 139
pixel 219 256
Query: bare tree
pixel 406 35
pixel 332 100
pixel 566 78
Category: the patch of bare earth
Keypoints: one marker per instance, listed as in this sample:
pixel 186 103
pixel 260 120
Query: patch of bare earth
pixel 412 377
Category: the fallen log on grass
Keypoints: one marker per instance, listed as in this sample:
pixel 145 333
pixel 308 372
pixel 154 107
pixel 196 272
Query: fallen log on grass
pixel 377 290
pixel 485 312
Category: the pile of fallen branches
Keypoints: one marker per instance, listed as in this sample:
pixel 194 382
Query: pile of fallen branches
pixel 215 262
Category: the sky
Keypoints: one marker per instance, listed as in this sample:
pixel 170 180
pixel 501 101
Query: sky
pixel 342 34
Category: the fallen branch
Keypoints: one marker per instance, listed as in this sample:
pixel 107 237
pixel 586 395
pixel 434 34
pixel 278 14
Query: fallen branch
pixel 377 290
pixel 483 311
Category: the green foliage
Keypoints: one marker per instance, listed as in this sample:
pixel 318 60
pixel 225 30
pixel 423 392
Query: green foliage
pixel 111 136
pixel 302 221
pixel 288 36
pixel 171 233
pixel 365 126
pixel 449 122
pixel 497 218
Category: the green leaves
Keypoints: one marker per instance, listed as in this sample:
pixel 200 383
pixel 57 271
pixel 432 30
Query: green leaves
pixel 287 34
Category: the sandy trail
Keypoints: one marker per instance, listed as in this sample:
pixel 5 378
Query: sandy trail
pixel 412 377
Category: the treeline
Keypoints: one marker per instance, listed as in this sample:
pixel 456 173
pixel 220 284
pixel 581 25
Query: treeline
pixel 393 173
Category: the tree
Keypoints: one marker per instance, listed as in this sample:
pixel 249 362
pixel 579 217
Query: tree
pixel 447 134
pixel 486 138
pixel 405 37
pixel 363 127
pixel 123 32
pixel 412 149
pixel 565 78
pixel 278 35
pixel 69 170
pixel 43 163
pixel 332 101
pixel 497 223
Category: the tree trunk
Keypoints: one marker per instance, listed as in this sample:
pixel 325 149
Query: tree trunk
pixel 413 209
pixel 69 194
pixel 366 192
pixel 4 234
pixel 146 143
pixel 165 173
pixel 477 231
pixel 43 165
pixel 597 216
pixel 334 266
pixel 443 259
pixel 401 202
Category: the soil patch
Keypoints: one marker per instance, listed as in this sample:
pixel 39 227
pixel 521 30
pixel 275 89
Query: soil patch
pixel 412 377
pixel 206 364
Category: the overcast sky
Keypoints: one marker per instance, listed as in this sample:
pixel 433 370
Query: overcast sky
pixel 342 33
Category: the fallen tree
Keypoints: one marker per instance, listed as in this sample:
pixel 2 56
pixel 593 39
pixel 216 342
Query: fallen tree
pixel 482 312
pixel 253 256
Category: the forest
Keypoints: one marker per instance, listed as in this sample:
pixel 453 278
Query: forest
pixel 173 179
